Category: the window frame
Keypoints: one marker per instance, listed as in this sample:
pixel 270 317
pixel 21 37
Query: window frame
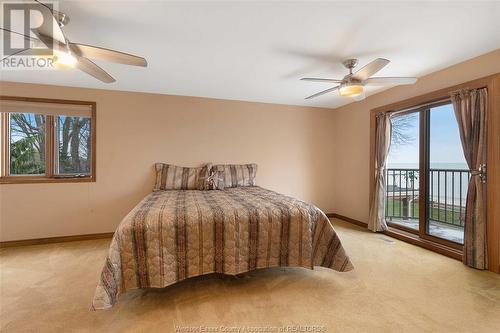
pixel 50 175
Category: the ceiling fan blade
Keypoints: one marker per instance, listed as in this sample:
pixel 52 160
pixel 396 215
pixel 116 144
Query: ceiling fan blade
pixel 87 66
pixel 41 3
pixel 49 42
pixel 8 31
pixel 95 52
pixel 50 30
pixel 370 69
pixel 382 81
pixel 323 92
pixel 314 79
pixel 34 42
pixel 23 52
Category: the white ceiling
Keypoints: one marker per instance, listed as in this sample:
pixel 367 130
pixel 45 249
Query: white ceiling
pixel 257 51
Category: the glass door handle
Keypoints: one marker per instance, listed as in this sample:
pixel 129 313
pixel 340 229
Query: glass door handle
pixel 481 172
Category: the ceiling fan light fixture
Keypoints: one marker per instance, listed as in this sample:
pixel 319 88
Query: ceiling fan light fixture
pixel 64 59
pixel 351 90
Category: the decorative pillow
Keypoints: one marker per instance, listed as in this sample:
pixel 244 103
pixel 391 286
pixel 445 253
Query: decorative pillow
pixel 172 177
pixel 237 174
pixel 216 180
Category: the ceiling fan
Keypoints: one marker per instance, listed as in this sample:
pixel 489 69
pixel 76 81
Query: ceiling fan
pixel 68 54
pixel 352 85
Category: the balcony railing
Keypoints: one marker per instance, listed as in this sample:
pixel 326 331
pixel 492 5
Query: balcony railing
pixel 447 195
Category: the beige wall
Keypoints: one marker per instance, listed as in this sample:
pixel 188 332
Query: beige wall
pixel 291 145
pixel 351 130
pixel 318 155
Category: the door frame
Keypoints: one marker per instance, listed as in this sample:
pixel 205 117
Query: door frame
pixel 492 83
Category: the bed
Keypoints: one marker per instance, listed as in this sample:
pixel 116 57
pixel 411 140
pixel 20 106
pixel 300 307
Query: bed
pixel 174 235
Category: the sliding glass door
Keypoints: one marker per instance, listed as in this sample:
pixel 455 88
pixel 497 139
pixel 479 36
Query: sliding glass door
pixel 447 176
pixel 427 176
pixel 402 188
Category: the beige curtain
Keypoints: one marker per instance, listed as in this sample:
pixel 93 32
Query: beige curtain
pixel 376 221
pixel 470 107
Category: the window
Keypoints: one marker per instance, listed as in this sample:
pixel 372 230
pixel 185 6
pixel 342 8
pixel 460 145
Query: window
pixel 73 145
pixel 47 140
pixel 26 143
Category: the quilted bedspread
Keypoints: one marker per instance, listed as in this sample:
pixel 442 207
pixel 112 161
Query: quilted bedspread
pixel 173 235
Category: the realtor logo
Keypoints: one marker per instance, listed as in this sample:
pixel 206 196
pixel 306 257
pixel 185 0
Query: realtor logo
pixel 23 22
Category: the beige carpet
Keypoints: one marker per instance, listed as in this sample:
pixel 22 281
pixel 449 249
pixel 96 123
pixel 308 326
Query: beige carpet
pixel 396 287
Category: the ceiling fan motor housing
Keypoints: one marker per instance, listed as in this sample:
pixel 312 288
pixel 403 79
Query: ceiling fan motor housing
pixel 349 81
pixel 350 64
pixel 61 18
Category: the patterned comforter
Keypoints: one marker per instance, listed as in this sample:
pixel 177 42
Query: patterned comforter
pixel 173 235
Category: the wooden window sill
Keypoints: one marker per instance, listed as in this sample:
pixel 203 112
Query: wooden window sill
pixel 409 237
pixel 416 240
pixel 38 180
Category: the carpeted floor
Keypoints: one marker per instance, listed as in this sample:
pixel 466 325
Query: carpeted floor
pixel 395 287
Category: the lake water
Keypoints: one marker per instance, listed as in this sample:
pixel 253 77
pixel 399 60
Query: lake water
pixel 461 166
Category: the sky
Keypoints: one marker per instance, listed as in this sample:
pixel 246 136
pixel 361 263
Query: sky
pixel 445 146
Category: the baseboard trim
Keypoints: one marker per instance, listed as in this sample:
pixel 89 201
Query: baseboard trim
pixel 392 232
pixel 60 239
pixel 348 219
pixel 407 237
